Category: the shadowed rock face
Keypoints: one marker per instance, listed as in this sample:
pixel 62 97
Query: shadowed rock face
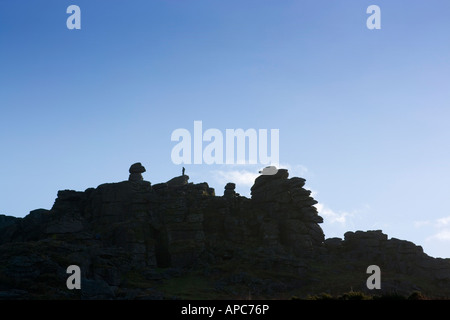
pixel 7 220
pixel 132 240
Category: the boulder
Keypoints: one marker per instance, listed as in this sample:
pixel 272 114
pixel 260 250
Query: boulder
pixel 178 181
pixel 136 171
pixel 229 190
pixel 333 242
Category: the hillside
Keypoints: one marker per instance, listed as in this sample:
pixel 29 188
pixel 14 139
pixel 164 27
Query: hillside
pixel 178 240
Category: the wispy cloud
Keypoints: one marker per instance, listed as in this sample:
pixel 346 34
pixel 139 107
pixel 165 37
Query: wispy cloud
pixel 442 235
pixel 332 216
pixel 335 220
pixel 442 222
pixel 440 228
pixel 241 177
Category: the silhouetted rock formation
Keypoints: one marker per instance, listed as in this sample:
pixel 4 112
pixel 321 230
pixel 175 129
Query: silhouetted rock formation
pixel 178 181
pixel 292 208
pixel 6 220
pixel 130 239
pixel 229 190
pixel 136 171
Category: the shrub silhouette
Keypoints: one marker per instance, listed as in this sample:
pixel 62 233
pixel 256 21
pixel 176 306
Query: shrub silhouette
pixel 417 295
pixel 354 295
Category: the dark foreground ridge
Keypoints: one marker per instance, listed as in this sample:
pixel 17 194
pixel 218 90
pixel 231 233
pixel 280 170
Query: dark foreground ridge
pixel 178 240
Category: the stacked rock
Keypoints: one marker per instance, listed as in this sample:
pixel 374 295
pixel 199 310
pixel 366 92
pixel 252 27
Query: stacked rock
pixel 293 217
pixel 229 190
pixel 136 171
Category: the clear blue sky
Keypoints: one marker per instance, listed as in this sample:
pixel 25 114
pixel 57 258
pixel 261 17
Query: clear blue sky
pixel 363 114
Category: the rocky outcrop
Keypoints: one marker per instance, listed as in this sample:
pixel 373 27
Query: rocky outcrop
pixel 295 219
pixel 136 171
pixel 229 190
pixel 178 181
pixel 6 221
pixel 405 267
pixel 136 240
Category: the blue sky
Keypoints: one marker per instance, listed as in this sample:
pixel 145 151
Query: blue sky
pixel 363 114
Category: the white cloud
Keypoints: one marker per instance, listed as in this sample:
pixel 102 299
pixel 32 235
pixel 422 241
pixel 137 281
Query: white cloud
pixel 440 228
pixel 442 235
pixel 240 177
pixel 313 193
pixel 443 222
pixel 437 223
pixel 331 216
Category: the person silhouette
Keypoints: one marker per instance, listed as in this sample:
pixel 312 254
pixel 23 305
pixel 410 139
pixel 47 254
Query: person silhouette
pixel 183 171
